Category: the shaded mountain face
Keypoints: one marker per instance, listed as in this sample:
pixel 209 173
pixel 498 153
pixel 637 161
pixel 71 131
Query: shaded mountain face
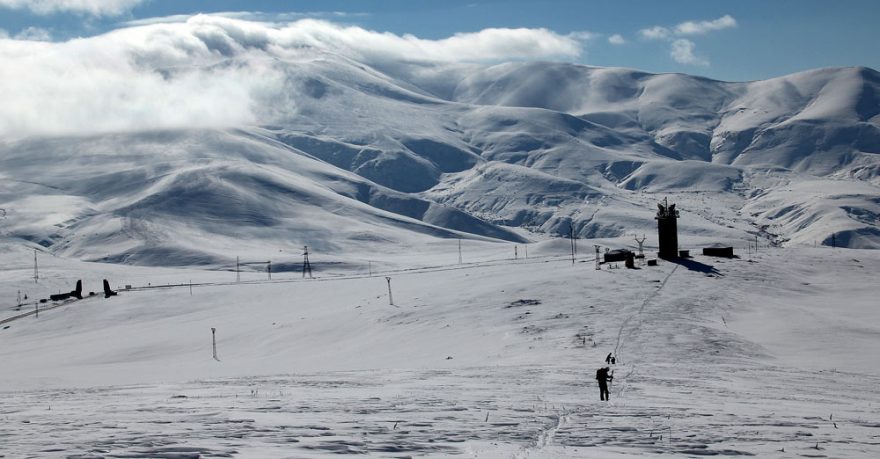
pixel 352 157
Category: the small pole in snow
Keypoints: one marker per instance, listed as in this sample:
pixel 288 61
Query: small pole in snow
pixel 269 269
pixel 756 243
pixel 36 271
pixel 190 287
pixel 515 253
pixel 598 265
pixel 214 342
pixel 37 310
pixel 571 237
pixel 18 301
pixel 237 271
pixel 390 299
pixel 459 251
pixel 526 246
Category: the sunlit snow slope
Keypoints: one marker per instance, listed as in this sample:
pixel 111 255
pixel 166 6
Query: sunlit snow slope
pixel 352 154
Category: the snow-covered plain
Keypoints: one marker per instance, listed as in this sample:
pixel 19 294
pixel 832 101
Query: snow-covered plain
pixel 264 139
pixel 772 355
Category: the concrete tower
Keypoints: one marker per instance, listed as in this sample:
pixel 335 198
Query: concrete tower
pixel 667 229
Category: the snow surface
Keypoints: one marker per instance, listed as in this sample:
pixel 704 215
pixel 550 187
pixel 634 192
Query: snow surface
pixel 349 151
pixel 771 354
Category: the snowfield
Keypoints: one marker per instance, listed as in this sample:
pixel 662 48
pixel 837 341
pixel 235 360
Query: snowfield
pixel 772 355
pixel 454 185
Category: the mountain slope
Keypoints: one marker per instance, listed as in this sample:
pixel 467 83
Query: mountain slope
pixel 346 152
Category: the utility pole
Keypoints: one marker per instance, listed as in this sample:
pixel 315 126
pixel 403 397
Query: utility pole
pixel 36 271
pixel 214 342
pixel 307 267
pixel 598 265
pixel 390 299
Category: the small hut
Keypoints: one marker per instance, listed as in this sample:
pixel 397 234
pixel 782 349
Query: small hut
pixel 618 255
pixel 718 250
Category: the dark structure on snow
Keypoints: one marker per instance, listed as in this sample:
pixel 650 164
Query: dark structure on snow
pixel 107 292
pixel 617 255
pixel 77 293
pixel 718 250
pixel 667 229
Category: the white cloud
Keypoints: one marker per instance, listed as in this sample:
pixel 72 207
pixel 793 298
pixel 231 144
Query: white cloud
pixel 655 33
pixel 682 51
pixel 91 7
pixel 704 27
pixel 254 16
pixel 210 71
pixel 617 39
pixel 34 34
pixel 584 35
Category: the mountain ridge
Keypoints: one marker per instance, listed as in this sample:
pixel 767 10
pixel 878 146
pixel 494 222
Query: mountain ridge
pixel 549 147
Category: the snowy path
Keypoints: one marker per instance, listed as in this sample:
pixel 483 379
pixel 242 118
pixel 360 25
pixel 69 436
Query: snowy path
pixel 339 371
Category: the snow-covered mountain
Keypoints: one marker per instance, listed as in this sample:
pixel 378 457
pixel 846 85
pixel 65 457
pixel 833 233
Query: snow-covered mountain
pixel 393 154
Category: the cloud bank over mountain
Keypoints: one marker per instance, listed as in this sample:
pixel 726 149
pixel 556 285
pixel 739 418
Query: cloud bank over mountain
pixel 209 70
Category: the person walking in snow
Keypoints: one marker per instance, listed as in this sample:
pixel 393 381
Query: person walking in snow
pixel 608 359
pixel 603 378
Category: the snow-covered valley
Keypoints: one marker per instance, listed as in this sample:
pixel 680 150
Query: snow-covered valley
pixel 772 355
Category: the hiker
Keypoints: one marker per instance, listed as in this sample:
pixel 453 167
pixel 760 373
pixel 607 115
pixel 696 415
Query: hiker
pixel 603 377
pixel 613 360
pixel 608 359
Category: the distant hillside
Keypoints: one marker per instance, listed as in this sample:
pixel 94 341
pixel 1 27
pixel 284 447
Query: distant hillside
pixel 358 157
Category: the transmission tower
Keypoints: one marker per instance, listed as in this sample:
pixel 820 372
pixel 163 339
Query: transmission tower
pixel 641 243
pixel 307 267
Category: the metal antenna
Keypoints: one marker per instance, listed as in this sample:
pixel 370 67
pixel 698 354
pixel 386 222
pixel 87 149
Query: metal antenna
pixel 307 267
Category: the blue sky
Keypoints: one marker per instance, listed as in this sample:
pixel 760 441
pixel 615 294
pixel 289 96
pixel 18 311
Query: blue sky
pixel 727 40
